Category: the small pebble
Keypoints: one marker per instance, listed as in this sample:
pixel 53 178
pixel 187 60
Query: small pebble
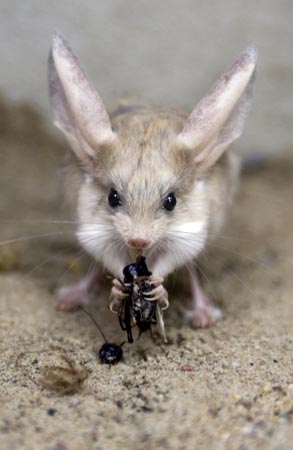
pixel 187 368
pixel 290 390
pixel 235 396
pixel 266 389
pixel 247 429
pixel 74 403
pixel 51 411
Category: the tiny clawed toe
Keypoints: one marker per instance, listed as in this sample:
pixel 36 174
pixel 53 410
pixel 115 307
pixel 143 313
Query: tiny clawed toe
pixel 204 317
pixel 164 303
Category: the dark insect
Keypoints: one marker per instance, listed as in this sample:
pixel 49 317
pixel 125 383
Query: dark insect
pixel 108 353
pixel 136 308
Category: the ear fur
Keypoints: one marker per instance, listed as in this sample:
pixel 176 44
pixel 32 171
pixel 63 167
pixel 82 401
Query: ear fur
pixel 77 108
pixel 218 119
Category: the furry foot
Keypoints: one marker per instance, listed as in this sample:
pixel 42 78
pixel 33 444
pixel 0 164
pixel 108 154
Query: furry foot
pixel 204 317
pixel 203 313
pixel 69 298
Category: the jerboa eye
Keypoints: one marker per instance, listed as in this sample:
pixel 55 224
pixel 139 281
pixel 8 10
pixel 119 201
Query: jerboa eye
pixel 170 202
pixel 114 199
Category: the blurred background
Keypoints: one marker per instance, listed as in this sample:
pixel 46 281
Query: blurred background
pixel 166 52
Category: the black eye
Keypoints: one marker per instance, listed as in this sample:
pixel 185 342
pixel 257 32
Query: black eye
pixel 114 199
pixel 170 202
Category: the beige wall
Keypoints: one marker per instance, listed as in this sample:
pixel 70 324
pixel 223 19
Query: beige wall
pixel 166 51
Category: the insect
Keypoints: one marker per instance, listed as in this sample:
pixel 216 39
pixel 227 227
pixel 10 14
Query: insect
pixel 139 305
pixel 63 380
pixel 109 353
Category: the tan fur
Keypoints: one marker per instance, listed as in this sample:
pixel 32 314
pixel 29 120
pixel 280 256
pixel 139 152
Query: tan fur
pixel 144 165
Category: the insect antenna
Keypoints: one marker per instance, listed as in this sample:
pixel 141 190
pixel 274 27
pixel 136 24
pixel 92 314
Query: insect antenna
pixel 94 321
pixel 109 353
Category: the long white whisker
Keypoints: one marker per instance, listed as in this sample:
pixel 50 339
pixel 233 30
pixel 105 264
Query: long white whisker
pixel 39 221
pixel 38 266
pixel 80 254
pixel 252 259
pixel 241 281
pixel 181 234
pixel 206 278
pixel 36 236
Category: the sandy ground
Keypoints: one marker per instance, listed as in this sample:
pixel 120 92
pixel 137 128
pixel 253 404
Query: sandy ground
pixel 227 387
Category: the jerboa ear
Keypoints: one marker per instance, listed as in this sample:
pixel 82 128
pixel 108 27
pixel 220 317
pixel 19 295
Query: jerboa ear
pixel 77 108
pixel 218 119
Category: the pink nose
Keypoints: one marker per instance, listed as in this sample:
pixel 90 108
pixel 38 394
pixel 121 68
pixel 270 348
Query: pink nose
pixel 138 243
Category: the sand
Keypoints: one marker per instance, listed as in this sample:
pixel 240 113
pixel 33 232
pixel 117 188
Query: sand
pixel 226 387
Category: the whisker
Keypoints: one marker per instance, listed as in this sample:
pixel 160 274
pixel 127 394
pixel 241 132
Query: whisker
pixel 38 266
pixel 252 259
pixel 91 267
pixel 249 258
pixel 32 237
pixel 181 234
pixel 185 236
pixel 39 221
pixel 44 262
pixel 54 222
pixel 206 278
pixel 80 254
pixel 242 282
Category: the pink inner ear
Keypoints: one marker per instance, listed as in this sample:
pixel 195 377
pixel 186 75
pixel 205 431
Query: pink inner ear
pixel 62 115
pixel 218 119
pixel 84 106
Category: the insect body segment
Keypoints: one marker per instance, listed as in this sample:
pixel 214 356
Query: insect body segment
pixel 110 353
pixel 138 304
